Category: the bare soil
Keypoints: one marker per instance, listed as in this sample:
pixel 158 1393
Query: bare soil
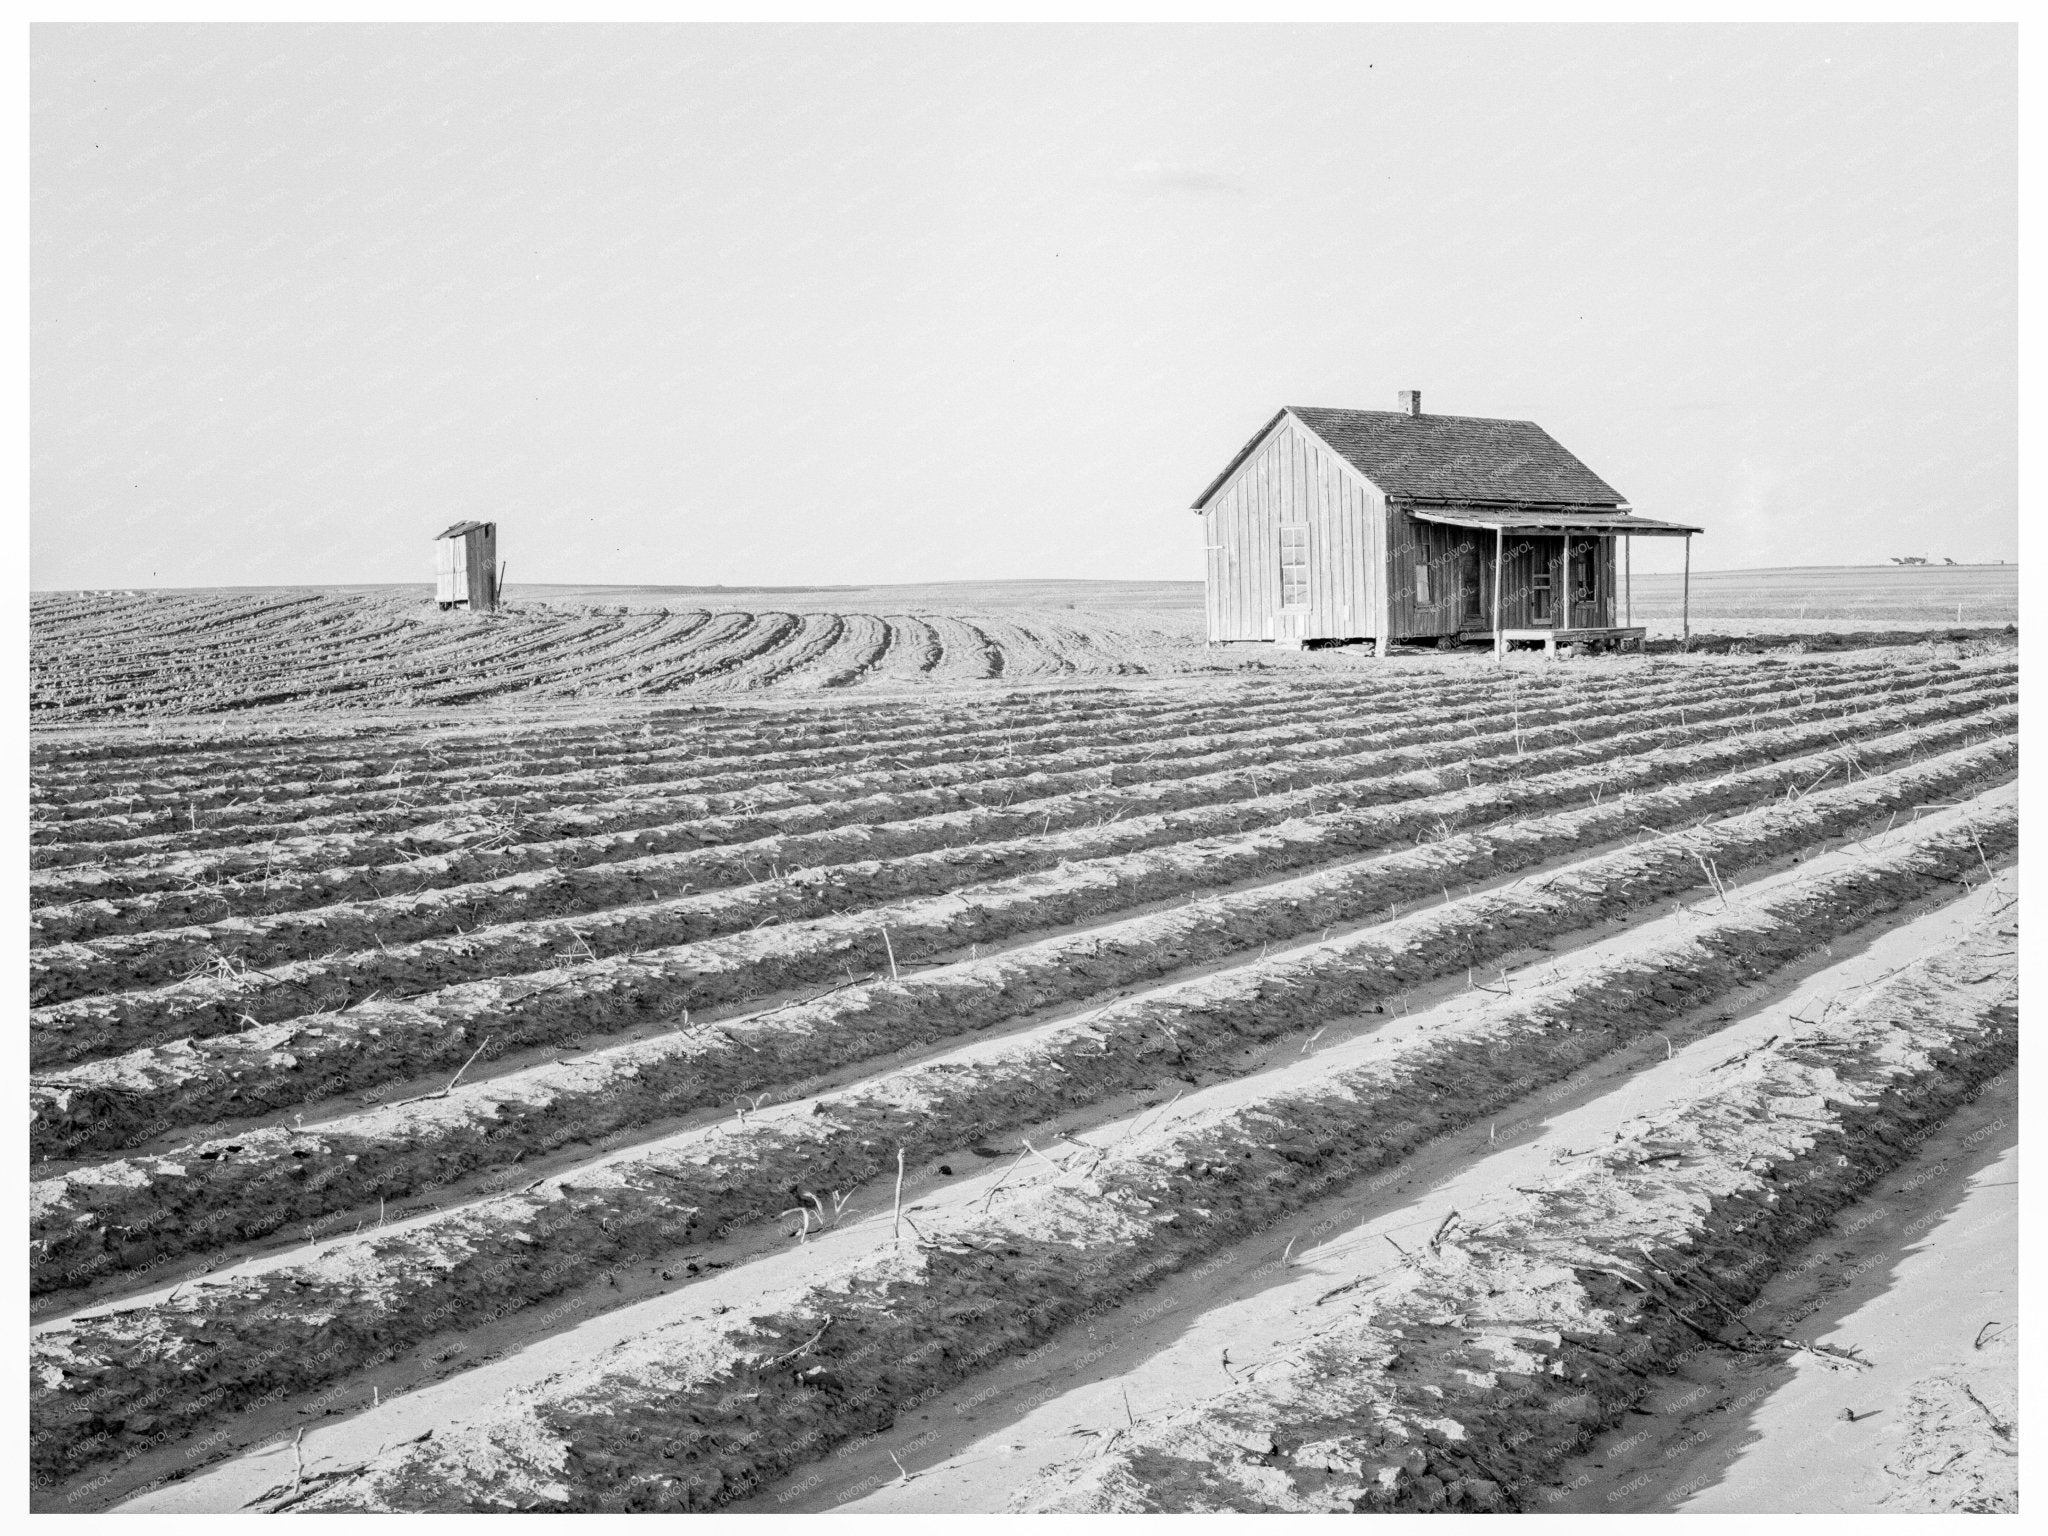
pixel 1918 1280
pixel 992 1441
pixel 492 1098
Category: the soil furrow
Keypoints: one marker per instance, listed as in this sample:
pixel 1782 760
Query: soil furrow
pixel 575 884
pixel 649 772
pixel 313 871
pixel 767 638
pixel 620 670
pixel 86 1207
pixel 84 755
pixel 276 990
pixel 655 768
pixel 586 992
pixel 467 747
pixel 960 1290
pixel 1619 1267
pixel 809 638
pixel 266 1179
pixel 866 651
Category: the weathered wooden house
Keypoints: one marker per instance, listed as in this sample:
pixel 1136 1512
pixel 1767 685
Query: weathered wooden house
pixel 1335 525
pixel 466 567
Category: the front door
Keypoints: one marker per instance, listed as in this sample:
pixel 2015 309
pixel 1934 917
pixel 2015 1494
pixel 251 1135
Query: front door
pixel 1543 600
pixel 1586 594
pixel 1475 584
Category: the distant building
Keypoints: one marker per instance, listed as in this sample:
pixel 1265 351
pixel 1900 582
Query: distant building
pixel 466 567
pixel 1391 525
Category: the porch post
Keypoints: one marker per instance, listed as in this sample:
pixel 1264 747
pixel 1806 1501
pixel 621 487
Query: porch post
pixel 1685 611
pixel 1500 543
pixel 1628 596
pixel 1565 581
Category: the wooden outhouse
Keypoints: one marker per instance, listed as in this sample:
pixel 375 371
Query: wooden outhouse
pixel 466 567
pixel 1337 525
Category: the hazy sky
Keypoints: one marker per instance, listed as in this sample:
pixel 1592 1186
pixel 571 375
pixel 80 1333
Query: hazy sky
pixel 753 305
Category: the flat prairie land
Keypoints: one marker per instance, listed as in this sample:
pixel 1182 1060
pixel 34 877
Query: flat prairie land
pixel 1801 600
pixel 1820 599
pixel 768 1057
pixel 1148 597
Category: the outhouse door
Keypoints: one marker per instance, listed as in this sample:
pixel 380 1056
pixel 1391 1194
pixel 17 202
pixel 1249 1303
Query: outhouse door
pixel 451 571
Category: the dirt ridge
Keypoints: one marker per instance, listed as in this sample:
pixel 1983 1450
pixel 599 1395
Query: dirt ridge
pixel 154 1347
pixel 832 1363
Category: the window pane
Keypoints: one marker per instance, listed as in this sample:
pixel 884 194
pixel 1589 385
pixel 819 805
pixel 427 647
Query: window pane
pixel 1294 566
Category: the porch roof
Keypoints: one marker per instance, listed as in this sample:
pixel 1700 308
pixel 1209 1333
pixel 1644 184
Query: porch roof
pixel 1549 520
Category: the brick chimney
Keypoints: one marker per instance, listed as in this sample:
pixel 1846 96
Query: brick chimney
pixel 1411 401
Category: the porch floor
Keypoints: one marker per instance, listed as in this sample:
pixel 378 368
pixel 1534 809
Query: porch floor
pixel 1618 635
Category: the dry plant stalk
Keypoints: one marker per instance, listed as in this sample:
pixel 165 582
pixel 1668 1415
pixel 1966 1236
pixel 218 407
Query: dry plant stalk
pixel 897 1232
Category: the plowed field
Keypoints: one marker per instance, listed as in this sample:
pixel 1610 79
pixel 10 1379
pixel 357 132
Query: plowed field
pixel 821 1105
pixel 95 655
pixel 147 655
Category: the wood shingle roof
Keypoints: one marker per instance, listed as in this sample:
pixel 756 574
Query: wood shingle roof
pixel 1447 459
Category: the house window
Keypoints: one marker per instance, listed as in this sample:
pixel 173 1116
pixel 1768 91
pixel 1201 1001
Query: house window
pixel 1294 565
pixel 1422 583
pixel 1539 593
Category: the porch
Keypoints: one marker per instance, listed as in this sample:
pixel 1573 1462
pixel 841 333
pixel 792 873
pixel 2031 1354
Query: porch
pixel 1560 602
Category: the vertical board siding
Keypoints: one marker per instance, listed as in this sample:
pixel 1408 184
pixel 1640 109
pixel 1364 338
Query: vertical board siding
pixel 1413 544
pixel 483 567
pixel 1292 478
pixel 1208 527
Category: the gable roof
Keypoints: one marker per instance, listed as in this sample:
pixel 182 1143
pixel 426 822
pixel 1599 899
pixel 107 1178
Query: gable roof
pixel 466 526
pixel 1459 459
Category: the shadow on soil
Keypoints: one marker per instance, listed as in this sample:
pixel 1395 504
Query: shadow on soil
pixel 1816 1294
